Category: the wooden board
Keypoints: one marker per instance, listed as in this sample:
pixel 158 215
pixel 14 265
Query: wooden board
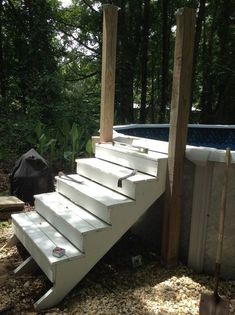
pixel 180 101
pixel 108 174
pixel 9 205
pixel 110 14
pixel 40 238
pixel 65 216
pixel 146 163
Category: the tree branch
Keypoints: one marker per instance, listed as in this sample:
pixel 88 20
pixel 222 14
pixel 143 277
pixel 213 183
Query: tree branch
pixel 90 6
pixel 83 77
pixel 80 42
pixel 65 23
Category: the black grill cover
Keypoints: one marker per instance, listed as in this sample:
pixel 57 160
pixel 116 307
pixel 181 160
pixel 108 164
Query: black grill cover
pixel 30 176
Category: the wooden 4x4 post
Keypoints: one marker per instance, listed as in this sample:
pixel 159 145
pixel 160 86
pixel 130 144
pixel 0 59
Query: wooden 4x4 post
pixel 180 101
pixel 108 72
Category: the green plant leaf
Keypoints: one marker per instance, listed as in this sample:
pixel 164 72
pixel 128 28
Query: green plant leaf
pixel 89 147
pixel 67 155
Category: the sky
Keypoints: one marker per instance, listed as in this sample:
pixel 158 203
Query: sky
pixel 66 3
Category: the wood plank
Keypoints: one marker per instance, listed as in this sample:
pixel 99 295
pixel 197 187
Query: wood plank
pixel 99 193
pixel 68 211
pixel 44 237
pixel 64 216
pixel 146 163
pixel 180 103
pixel 9 202
pixel 9 205
pixel 108 72
pixel 95 198
pixel 108 174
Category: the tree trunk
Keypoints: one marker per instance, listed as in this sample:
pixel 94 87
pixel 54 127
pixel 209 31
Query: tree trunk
pixel 144 63
pixel 165 60
pixel 124 106
pixel 152 96
pixel 207 93
pixel 2 65
pixel 225 108
pixel 200 19
pixel 128 50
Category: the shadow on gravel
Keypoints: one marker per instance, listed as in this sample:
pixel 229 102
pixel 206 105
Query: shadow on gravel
pixel 115 287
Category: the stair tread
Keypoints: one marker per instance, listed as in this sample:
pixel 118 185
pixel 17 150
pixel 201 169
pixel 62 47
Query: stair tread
pixel 114 169
pixel 134 151
pixel 96 191
pixel 73 214
pixel 45 236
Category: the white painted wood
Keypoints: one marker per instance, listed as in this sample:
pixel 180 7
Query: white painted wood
pixel 198 155
pixel 70 273
pixel 200 208
pixel 27 266
pixel 144 162
pixel 108 174
pixel 93 197
pixel 73 221
pixel 40 238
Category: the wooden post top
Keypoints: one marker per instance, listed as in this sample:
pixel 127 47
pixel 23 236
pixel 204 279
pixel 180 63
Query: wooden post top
pixel 110 6
pixel 108 72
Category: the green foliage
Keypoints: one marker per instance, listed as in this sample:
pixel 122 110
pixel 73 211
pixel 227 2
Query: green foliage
pixel 64 146
pixel 76 147
pixel 89 150
pixel 50 61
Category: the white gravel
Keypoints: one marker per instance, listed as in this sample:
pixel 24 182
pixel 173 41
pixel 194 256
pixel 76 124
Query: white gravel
pixel 112 287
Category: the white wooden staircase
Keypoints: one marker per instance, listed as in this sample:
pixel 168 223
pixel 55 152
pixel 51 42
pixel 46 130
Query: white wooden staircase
pixel 88 213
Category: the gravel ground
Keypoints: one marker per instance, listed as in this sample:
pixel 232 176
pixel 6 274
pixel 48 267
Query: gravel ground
pixel 112 287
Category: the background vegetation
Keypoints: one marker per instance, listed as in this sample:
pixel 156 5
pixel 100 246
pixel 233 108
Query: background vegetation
pixel 50 63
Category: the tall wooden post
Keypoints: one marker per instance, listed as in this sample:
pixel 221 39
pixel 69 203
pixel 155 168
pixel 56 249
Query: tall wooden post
pixel 180 104
pixel 108 72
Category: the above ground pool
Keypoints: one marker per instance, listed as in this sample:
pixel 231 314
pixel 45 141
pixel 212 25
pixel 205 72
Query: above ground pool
pixel 213 136
pixel 203 184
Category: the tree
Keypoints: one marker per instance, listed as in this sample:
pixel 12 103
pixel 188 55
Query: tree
pixel 128 48
pixel 144 62
pixel 165 58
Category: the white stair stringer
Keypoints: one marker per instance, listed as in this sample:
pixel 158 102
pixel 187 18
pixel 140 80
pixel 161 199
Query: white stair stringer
pixel 86 219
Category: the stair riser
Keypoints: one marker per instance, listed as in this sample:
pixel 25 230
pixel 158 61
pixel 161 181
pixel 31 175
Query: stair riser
pixel 73 235
pixel 127 159
pixel 90 204
pixel 108 180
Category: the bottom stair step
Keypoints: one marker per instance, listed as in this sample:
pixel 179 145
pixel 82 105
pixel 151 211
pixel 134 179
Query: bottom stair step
pixel 40 238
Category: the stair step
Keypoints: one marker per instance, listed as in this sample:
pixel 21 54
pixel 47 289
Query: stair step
pixel 73 221
pixel 95 198
pixel 40 238
pixel 108 174
pixel 130 157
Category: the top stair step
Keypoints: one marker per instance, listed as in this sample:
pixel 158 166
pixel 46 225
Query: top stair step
pixel 131 157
